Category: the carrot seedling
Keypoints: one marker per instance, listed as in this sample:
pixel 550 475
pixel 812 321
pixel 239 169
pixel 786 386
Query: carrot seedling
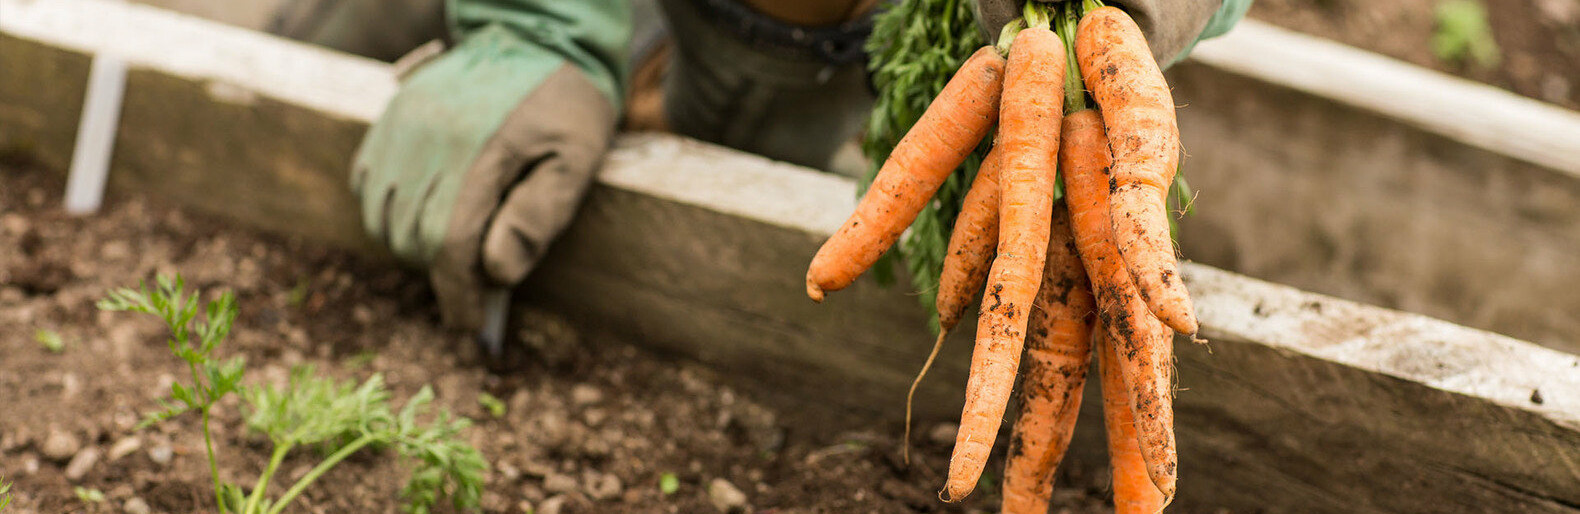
pixel 492 404
pixel 50 340
pixel 5 494
pixel 337 418
pixel 88 495
pixel 668 483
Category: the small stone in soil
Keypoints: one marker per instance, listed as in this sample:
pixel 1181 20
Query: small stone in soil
pixel 535 468
pixel 583 395
pixel 558 483
pixel 507 471
pixel 14 224
pixel 552 505
pixel 362 314
pixel 136 505
pixel 494 502
pixel 531 491
pixel 595 417
pixel 82 463
pixel 602 486
pixel 725 496
pixel 161 454
pixel 60 445
pixel 115 250
pixel 943 433
pixel 69 386
pixel 124 447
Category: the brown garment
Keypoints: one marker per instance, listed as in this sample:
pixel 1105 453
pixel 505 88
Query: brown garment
pixel 775 103
pixel 1170 25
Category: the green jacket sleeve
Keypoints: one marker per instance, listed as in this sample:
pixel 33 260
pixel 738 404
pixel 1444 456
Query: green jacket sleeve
pixel 514 117
pixel 590 34
pixel 1227 16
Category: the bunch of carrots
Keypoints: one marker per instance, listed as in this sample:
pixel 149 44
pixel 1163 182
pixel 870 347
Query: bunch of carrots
pixel 1054 275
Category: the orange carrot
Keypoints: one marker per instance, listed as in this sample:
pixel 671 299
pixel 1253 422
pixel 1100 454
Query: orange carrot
pixel 971 247
pixel 972 244
pixel 1058 352
pixel 1133 489
pixel 1138 113
pixel 1145 348
pixel 1029 135
pixel 947 132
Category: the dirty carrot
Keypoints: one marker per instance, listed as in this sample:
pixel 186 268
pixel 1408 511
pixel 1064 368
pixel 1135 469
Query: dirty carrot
pixel 1138 113
pixel 1144 349
pixel 1133 489
pixel 1058 352
pixel 971 247
pixel 947 132
pixel 972 244
pixel 1029 135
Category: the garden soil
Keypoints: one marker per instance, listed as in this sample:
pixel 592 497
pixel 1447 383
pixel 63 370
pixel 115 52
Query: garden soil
pixel 591 423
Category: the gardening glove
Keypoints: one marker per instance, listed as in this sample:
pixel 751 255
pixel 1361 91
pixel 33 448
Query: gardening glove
pixel 1172 27
pixel 484 154
pixel 741 79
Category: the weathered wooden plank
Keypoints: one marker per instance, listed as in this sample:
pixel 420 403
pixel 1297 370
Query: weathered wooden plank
pixel 1470 112
pixel 1302 190
pixel 1339 171
pixel 1303 403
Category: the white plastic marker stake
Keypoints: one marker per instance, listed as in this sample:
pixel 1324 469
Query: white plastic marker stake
pixel 101 113
pixel 496 305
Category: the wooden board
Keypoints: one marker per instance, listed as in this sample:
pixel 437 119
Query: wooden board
pixel 1471 112
pixel 1301 403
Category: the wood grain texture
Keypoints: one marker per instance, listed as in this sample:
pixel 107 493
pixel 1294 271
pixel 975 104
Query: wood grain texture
pixel 1467 111
pixel 1301 403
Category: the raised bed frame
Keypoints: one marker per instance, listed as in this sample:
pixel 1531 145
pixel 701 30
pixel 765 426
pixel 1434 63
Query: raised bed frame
pixel 1301 402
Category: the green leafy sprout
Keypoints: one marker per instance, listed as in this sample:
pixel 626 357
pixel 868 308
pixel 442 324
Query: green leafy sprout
pixel 668 483
pixel 5 494
pixel 88 495
pixel 492 404
pixel 1464 34
pixel 50 340
pixel 336 418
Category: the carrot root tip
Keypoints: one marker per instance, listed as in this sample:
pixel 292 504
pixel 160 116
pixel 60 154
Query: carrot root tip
pixel 813 291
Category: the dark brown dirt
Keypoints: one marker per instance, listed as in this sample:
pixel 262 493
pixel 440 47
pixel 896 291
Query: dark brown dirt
pixel 592 423
pixel 1539 39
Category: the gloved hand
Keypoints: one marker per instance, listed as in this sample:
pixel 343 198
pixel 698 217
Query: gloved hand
pixel 1172 27
pixel 484 154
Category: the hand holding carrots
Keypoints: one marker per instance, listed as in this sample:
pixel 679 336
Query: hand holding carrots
pixel 1052 271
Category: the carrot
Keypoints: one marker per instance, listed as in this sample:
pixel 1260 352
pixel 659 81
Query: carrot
pixel 1144 138
pixel 947 132
pixel 1029 136
pixel 972 244
pixel 1058 351
pixel 1144 343
pixel 971 248
pixel 1133 489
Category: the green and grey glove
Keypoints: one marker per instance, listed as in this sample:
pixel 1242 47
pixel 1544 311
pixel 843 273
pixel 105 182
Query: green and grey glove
pixel 1172 27
pixel 484 154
